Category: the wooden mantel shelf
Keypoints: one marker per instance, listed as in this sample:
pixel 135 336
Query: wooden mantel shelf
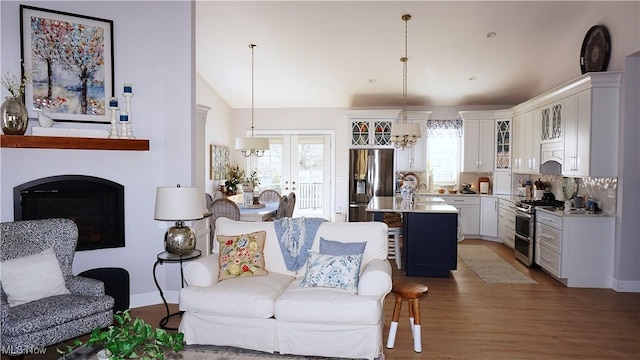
pixel 78 143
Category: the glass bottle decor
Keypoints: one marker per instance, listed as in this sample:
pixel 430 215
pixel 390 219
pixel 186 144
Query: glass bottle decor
pixel 14 116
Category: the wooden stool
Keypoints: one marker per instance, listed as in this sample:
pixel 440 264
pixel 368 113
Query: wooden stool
pixel 413 293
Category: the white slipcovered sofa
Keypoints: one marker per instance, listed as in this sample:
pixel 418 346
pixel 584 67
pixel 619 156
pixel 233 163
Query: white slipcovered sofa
pixel 274 313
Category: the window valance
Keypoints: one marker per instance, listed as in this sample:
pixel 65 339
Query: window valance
pixel 444 128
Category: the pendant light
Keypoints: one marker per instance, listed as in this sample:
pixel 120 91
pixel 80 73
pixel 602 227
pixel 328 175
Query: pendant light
pixel 252 146
pixel 404 134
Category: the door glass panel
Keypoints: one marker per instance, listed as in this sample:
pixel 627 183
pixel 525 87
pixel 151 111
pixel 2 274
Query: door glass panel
pixel 300 164
pixel 546 133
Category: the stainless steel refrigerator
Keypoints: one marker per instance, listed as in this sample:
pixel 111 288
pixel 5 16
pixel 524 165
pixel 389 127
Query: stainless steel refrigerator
pixel 370 174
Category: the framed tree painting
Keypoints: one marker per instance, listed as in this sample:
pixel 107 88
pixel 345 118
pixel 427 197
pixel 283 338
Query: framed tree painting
pixel 220 157
pixel 71 60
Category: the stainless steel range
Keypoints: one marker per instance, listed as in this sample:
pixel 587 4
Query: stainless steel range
pixel 524 246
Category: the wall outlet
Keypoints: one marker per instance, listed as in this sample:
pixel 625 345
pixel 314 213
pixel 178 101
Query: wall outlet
pixel 611 193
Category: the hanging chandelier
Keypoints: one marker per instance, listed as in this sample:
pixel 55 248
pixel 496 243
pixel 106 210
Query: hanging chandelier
pixel 404 134
pixel 252 146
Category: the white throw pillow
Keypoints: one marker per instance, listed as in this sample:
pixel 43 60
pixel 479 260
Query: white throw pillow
pixel 32 277
pixel 333 271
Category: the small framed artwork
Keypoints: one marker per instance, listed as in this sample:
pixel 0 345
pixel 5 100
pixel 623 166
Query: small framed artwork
pixel 71 62
pixel 220 157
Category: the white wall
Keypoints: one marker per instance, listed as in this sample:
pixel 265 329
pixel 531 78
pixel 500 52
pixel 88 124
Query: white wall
pixel 218 126
pixel 627 252
pixel 153 50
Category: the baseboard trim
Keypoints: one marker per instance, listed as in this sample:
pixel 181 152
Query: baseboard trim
pixel 153 298
pixel 626 285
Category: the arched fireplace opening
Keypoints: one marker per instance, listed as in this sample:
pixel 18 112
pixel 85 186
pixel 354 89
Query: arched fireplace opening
pixel 96 205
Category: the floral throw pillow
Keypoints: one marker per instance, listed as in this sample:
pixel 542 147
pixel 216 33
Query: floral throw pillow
pixel 333 271
pixel 242 255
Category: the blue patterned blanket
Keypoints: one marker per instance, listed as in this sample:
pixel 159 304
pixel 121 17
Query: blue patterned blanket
pixel 295 236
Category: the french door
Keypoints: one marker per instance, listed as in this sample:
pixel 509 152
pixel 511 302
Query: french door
pixel 299 163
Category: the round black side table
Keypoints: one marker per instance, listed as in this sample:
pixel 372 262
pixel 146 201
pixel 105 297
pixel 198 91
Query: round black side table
pixel 172 258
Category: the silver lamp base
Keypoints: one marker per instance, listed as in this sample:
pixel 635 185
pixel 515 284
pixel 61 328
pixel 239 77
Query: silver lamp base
pixel 180 239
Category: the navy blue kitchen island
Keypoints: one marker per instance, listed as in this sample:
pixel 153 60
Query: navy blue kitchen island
pixel 430 233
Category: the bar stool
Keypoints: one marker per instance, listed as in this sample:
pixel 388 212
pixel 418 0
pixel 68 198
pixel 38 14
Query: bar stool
pixel 393 251
pixel 412 292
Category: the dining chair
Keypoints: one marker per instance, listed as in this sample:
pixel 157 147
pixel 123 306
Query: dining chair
pixel 217 195
pixel 222 207
pixel 291 203
pixel 269 195
pixel 282 207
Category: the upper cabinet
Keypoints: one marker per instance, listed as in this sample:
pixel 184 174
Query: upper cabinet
pixel 551 122
pixel 415 157
pixel 503 144
pixel 591 136
pixel 526 154
pixel 368 132
pixel 372 129
pixel 486 141
pixel 575 124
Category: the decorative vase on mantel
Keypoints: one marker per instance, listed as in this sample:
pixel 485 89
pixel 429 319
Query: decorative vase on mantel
pixel 15 118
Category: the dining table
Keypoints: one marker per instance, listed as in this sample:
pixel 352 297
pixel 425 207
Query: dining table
pixel 259 212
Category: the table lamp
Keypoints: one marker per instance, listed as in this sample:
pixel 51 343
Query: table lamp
pixel 179 204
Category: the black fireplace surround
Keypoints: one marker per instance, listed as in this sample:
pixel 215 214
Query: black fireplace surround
pixel 96 205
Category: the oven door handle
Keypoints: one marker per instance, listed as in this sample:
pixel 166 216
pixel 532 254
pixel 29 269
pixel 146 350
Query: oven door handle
pixel 523 215
pixel 523 238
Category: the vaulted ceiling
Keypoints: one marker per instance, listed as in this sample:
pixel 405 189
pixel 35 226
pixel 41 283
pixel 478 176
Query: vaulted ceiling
pixel 347 53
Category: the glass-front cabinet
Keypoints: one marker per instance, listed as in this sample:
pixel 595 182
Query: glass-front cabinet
pixel 551 122
pixel 366 132
pixel 503 144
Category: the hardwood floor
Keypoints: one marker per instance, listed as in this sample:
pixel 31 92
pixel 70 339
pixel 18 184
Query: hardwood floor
pixel 465 318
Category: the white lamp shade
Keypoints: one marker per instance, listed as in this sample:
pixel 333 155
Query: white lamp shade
pixel 404 129
pixel 252 143
pixel 179 203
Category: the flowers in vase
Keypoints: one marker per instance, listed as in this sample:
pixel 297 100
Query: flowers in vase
pixel 15 86
pixel 235 177
pixel 253 178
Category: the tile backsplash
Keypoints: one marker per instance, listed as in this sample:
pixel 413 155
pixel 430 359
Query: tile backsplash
pixel 602 190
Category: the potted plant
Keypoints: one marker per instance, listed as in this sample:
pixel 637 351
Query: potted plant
pixel 131 338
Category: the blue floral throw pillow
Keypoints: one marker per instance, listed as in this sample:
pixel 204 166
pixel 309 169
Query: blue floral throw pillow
pixel 333 271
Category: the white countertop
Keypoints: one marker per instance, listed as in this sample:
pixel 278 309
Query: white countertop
pixel 430 204
pixel 576 213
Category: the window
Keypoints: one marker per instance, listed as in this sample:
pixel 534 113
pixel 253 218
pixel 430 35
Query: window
pixel 443 159
pixel 443 151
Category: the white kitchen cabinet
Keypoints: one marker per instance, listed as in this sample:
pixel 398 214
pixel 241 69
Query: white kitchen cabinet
pixel 506 222
pixel 576 250
pixel 489 216
pixel 551 118
pixel 503 144
pixel 502 183
pixel 526 158
pixel 591 135
pixel 415 157
pixel 469 207
pixel 371 133
pixel 477 145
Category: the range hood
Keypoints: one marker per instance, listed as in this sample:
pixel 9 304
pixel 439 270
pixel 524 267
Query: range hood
pixel 552 156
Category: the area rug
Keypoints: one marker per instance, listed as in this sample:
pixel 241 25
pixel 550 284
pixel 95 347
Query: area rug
pixel 211 352
pixel 490 267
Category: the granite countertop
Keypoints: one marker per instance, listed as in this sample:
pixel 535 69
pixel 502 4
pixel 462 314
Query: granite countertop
pixel 433 204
